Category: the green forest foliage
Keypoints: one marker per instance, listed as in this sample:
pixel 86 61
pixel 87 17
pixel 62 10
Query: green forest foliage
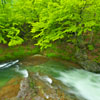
pixel 14 18
pixel 46 21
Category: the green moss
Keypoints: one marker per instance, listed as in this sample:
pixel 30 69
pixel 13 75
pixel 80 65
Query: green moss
pixel 90 47
pixel 8 56
pixel 35 50
pixel 51 55
pixel 1 50
pixel 17 52
pixel 31 82
pixel 2 58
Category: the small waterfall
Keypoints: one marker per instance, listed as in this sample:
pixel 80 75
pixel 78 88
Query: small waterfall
pixel 9 64
pixel 82 83
pixel 24 72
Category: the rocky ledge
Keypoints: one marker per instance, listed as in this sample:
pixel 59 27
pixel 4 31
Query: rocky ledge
pixel 42 87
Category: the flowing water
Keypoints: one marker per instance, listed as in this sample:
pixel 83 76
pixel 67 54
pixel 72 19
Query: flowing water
pixel 82 83
pixel 85 85
pixel 10 70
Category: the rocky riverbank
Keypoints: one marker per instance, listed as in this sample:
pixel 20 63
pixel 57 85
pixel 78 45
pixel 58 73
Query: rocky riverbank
pixel 37 86
pixel 42 87
pixel 11 89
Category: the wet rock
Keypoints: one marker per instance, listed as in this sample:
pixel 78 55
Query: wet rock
pixel 37 87
pixel 38 98
pixel 34 60
pixel 85 63
pixel 25 90
pixel 90 66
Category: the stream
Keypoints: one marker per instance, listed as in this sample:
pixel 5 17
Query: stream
pixel 11 70
pixel 83 84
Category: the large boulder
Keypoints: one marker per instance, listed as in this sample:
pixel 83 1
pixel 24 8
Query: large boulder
pixel 85 63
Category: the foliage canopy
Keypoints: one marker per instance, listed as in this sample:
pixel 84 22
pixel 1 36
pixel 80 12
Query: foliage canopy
pixel 47 21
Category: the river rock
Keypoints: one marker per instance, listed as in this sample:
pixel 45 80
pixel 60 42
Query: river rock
pixel 90 66
pixel 85 63
pixel 34 60
pixel 37 87
pixel 25 90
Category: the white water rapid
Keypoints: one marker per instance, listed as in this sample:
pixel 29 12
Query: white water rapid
pixel 24 72
pixel 9 64
pixel 84 84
